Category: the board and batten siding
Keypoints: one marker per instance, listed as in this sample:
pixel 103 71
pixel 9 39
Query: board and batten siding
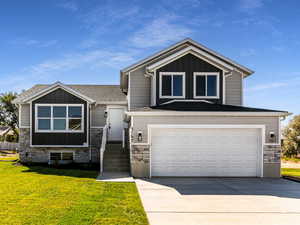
pixel 233 89
pixel 140 123
pixel 59 96
pixel 189 64
pixel 25 115
pixel 97 116
pixel 140 89
pixel 139 94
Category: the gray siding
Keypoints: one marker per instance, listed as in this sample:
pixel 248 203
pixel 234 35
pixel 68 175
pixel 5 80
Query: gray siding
pixel 140 89
pixel 233 89
pixel 140 123
pixel 97 116
pixel 25 115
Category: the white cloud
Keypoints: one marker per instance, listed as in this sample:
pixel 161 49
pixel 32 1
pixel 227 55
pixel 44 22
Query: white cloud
pixel 278 48
pixel 250 4
pixel 69 5
pixel 248 52
pixel 160 32
pixel 51 69
pixel 178 4
pixel 24 42
pixel 102 18
pixel 272 85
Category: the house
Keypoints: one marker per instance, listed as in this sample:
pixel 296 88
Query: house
pixel 183 109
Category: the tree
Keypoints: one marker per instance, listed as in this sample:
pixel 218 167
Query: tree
pixel 9 112
pixel 291 142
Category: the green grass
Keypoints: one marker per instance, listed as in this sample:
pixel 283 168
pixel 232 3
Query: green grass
pixel 290 172
pixel 39 195
pixel 294 159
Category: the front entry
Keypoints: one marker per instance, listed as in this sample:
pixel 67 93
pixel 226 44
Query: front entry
pixel 116 123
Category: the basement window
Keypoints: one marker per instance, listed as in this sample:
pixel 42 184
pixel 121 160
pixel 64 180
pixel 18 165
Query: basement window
pixel 58 156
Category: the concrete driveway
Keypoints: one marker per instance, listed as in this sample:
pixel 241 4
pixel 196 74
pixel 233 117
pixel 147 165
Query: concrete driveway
pixel 214 201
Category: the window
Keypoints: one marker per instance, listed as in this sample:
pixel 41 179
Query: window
pixel 55 156
pixel 59 118
pixel 206 85
pixel 172 85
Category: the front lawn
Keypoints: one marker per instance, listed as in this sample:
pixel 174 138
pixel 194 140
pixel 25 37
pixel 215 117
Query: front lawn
pixel 290 172
pixel 40 195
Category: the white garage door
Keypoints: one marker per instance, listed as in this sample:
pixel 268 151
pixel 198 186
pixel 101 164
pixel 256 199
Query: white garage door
pixel 205 152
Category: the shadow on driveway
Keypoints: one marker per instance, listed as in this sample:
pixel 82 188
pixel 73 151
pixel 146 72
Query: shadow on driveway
pixel 230 186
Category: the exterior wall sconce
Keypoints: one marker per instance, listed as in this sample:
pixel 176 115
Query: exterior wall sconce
pixel 272 136
pixel 140 136
pixel 105 114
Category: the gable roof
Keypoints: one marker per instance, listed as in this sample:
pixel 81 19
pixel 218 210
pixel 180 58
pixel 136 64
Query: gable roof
pixel 100 94
pixel 190 50
pixel 189 42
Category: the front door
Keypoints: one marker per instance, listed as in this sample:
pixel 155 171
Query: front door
pixel 116 123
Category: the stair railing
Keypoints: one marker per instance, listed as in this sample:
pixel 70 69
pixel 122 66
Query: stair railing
pixel 103 146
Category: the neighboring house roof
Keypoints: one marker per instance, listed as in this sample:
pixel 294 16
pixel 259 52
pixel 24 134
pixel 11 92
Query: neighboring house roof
pixel 100 94
pixel 189 41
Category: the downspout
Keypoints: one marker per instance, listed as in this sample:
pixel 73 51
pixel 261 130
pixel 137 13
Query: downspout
pixel 90 143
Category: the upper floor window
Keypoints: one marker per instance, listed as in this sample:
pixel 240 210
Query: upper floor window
pixel 206 85
pixel 59 118
pixel 172 85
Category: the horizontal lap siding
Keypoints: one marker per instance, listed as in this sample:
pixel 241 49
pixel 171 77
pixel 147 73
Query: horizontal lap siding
pixel 234 89
pixel 59 96
pixel 141 123
pixel 97 116
pixel 140 92
pixel 25 115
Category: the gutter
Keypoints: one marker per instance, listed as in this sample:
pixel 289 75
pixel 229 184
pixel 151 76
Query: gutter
pixel 197 113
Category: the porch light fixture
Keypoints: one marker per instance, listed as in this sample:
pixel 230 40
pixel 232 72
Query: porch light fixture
pixel 140 136
pixel 105 114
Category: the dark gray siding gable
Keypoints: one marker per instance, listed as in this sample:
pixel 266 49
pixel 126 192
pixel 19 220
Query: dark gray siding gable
pixel 189 64
pixel 59 96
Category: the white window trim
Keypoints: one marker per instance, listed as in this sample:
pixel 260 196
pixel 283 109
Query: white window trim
pixel 171 74
pixel 52 118
pixel 195 74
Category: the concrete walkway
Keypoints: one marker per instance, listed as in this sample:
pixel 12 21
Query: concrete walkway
pixel 213 201
pixel 115 177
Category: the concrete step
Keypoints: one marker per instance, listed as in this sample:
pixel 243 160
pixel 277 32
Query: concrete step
pixel 115 157
pixel 117 170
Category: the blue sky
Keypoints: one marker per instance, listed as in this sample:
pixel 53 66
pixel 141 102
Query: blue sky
pixel 88 42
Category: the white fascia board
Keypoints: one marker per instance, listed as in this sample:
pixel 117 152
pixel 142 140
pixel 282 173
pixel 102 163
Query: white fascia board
pixel 185 41
pixel 53 88
pixel 221 56
pixel 112 103
pixel 186 113
pixel 187 50
pixel 127 69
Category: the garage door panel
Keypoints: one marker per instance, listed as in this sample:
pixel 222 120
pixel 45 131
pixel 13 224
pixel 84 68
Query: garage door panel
pixel 205 152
